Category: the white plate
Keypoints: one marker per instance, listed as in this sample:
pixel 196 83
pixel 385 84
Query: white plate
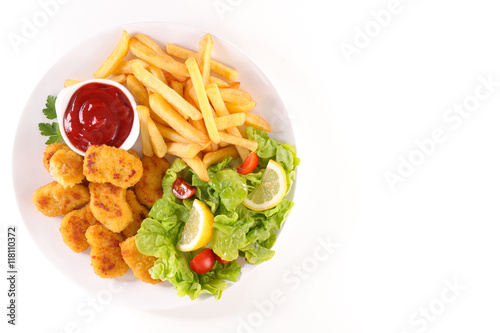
pixel 29 173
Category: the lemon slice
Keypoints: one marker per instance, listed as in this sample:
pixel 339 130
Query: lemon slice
pixel 198 228
pixel 270 191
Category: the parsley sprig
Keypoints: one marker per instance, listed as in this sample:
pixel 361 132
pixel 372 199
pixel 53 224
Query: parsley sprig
pixel 50 129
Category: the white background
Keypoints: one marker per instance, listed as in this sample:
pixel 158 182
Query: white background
pixel 397 252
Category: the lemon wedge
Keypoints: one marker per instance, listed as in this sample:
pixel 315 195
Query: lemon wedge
pixel 198 228
pixel 270 191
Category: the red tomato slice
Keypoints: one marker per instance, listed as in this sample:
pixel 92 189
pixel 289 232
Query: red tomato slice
pixel 182 189
pixel 249 164
pixel 203 262
pixel 219 259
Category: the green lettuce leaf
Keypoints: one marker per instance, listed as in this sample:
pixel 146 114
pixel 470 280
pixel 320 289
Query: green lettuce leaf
pixel 237 230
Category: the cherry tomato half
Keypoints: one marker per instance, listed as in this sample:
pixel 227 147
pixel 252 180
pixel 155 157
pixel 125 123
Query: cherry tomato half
pixel 249 164
pixel 182 189
pixel 203 262
pixel 219 259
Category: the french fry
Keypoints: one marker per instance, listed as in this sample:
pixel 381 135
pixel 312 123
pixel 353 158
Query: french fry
pixel 234 108
pixel 147 148
pixel 219 155
pixel 232 120
pixel 197 165
pixel 234 85
pixel 157 119
pixel 179 103
pixel 161 60
pixel 119 78
pixel 158 73
pixel 219 82
pixel 188 88
pixel 213 94
pixel 70 82
pixel 186 150
pixel 206 110
pixel 146 40
pixel 256 121
pixel 225 71
pixel 114 59
pixel 125 67
pixel 171 77
pixel 242 132
pixel 237 141
pixel 178 87
pixel 235 96
pixel 160 106
pixel 203 57
pixel 171 135
pixel 138 90
pixel 157 142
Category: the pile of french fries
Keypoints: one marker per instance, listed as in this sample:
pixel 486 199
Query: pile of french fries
pixel 189 105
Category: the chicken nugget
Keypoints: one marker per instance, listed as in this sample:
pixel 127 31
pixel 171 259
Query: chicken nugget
pixel 50 151
pixel 54 199
pixel 138 262
pixel 133 152
pixel 105 253
pixel 139 213
pixel 109 206
pixel 105 164
pixel 66 167
pixel 148 189
pixel 73 228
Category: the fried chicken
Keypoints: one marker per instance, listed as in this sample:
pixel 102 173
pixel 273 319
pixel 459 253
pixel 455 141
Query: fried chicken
pixel 73 228
pixel 105 164
pixel 66 167
pixel 105 252
pixel 138 262
pixel 109 206
pixel 139 213
pixel 50 151
pixel 54 199
pixel 148 189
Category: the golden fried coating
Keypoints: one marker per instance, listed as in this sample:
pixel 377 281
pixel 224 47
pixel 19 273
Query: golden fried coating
pixel 133 152
pixel 138 262
pixel 148 189
pixel 139 213
pixel 50 151
pixel 105 252
pixel 66 167
pixel 54 199
pixel 109 206
pixel 104 164
pixel 73 228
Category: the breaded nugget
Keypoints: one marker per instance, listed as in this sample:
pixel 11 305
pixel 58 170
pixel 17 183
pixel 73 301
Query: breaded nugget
pixel 54 199
pixel 139 213
pixel 105 252
pixel 104 164
pixel 133 152
pixel 66 167
pixel 73 228
pixel 50 151
pixel 109 206
pixel 148 189
pixel 138 262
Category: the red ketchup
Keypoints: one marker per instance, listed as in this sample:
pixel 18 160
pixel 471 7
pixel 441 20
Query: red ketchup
pixel 98 113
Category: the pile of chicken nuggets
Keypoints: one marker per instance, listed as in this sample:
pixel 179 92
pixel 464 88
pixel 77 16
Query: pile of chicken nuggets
pixel 103 198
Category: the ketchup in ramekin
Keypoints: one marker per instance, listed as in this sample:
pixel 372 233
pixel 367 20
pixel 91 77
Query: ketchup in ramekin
pixel 97 112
